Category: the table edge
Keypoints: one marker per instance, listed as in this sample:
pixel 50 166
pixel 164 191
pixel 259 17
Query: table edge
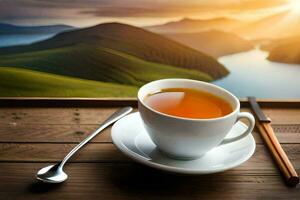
pixel 117 102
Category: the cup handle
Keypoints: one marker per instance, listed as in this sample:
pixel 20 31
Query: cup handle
pixel 251 120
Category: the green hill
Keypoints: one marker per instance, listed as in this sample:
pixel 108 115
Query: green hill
pixel 98 63
pixel 22 82
pixel 113 52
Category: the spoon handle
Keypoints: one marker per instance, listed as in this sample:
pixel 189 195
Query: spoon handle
pixel 113 118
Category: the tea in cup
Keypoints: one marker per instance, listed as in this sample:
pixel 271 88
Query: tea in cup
pixel 187 118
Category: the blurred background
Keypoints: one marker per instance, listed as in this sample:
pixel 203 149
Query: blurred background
pixel 109 48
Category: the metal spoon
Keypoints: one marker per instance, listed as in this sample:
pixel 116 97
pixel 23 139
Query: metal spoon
pixel 55 173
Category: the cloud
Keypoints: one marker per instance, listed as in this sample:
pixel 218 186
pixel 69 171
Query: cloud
pixel 117 11
pixel 15 10
pixel 171 9
pixel 59 9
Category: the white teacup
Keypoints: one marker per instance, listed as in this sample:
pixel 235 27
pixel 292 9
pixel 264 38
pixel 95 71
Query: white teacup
pixel 186 138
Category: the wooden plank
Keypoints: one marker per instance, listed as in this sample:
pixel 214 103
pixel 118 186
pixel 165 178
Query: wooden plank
pixel 74 133
pixel 133 181
pixel 11 152
pixel 273 103
pixel 59 133
pixel 54 115
pixel 66 102
pixel 283 116
pixel 56 133
pixel 97 115
pixel 26 152
pixel 103 102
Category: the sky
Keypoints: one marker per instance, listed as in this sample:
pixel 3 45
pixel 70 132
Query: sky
pixel 83 13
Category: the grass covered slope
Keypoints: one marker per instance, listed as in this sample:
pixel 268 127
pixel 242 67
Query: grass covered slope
pixel 214 43
pixel 122 38
pixel 97 63
pixel 27 83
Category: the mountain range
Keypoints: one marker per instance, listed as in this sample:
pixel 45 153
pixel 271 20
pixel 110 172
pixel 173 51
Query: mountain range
pixel 187 25
pixel 213 42
pixel 276 26
pixel 7 29
pixel 115 53
pixel 284 50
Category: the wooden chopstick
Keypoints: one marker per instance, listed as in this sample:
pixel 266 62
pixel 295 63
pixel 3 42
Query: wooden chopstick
pixel 290 175
pixel 263 124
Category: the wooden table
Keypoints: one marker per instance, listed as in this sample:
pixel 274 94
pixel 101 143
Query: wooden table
pixel 33 137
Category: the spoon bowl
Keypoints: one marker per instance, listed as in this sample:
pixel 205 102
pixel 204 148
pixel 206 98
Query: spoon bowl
pixel 52 174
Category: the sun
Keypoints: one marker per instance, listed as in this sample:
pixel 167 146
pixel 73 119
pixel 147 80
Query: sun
pixel 294 6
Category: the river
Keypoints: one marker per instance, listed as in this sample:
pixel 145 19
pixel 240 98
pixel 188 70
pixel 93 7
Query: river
pixel 251 74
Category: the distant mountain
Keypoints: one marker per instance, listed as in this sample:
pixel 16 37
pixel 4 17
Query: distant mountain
pixel 285 50
pixel 275 26
pixel 187 25
pixel 268 45
pixel 113 52
pixel 214 43
pixel 6 29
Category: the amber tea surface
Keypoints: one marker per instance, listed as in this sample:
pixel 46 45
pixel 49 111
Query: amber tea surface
pixel 188 103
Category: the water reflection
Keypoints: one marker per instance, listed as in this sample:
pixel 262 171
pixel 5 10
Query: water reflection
pixel 252 74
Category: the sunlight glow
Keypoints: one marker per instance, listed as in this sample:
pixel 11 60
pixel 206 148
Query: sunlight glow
pixel 294 6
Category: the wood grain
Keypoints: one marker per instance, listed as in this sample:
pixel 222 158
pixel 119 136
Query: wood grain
pixel 54 115
pixel 97 115
pixel 31 138
pixel 133 181
pixel 104 102
pixel 11 152
pixel 74 133
pixel 45 133
pixel 283 116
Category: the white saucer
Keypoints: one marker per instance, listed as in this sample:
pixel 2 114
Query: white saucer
pixel 130 137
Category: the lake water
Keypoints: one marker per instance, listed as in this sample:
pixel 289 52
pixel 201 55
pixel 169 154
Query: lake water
pixel 10 40
pixel 251 74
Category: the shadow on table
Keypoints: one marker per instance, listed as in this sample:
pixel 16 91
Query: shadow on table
pixel 134 181
pixel 40 187
pixel 141 180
